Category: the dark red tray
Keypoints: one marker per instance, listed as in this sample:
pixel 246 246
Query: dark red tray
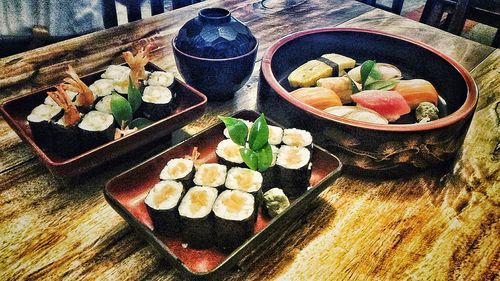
pixel 126 193
pixel 191 106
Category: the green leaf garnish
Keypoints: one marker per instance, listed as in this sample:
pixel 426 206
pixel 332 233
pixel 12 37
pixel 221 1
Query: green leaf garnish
pixel 365 71
pixel 265 157
pixel 354 87
pixel 121 110
pixel 140 123
pixel 238 131
pixel 259 133
pixel 250 158
pixel 134 95
pixel 384 85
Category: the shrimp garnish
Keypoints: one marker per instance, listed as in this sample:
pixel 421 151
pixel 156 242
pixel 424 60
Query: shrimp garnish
pixel 71 114
pixel 137 63
pixel 73 83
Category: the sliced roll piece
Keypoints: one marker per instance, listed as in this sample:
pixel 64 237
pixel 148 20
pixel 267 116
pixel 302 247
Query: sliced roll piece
pixel 298 137
pixel 275 135
pixel 157 102
pixel 195 212
pixel 270 176
pixel 247 180
pixel 179 169
pixel 235 214
pixel 161 203
pixel 96 128
pixel 228 154
pixel 39 119
pixel 102 87
pixel 211 174
pixel 294 164
pixel 161 78
pixel 104 105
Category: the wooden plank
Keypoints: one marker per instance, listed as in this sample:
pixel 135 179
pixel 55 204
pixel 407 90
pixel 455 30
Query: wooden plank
pixel 467 53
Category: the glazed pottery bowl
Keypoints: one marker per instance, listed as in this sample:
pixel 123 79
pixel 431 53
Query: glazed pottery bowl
pixel 215 53
pixel 381 150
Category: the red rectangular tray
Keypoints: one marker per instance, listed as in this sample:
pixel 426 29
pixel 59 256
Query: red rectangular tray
pixel 126 193
pixel 191 106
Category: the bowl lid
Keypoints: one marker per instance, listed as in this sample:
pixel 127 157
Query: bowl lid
pixel 215 34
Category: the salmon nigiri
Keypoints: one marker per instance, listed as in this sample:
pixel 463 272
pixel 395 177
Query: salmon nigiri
pixel 317 97
pixel 416 91
pixel 389 104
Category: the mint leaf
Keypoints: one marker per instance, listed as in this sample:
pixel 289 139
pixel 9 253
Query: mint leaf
pixel 140 123
pixel 134 95
pixel 238 131
pixel 365 70
pixel 250 158
pixel 265 157
pixel 259 133
pixel 121 110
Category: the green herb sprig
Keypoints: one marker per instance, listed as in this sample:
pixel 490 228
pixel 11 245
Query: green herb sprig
pixel 123 109
pixel 371 78
pixel 258 156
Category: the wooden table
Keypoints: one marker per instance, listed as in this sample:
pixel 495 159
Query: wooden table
pixel 431 226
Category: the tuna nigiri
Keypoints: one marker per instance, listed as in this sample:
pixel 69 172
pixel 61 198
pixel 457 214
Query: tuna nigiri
pixel 416 91
pixel 389 104
pixel 317 97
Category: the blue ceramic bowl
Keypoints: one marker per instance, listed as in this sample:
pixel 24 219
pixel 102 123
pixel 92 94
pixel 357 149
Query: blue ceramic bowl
pixel 218 79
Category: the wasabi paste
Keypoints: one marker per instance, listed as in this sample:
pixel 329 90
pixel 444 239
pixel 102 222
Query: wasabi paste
pixel 275 202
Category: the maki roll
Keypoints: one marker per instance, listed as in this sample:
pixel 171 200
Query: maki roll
pixel 179 169
pixel 228 153
pixel 38 121
pixel 275 135
pixel 120 76
pixel 65 133
pixel 102 87
pixel 297 137
pixel 161 203
pixel 196 220
pixel 234 222
pixel 161 78
pixel 96 128
pixel 269 176
pixel 294 164
pixel 104 105
pixel 246 180
pixel 157 102
pixel 212 175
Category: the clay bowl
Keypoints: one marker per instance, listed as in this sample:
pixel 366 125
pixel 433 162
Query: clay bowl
pixel 380 150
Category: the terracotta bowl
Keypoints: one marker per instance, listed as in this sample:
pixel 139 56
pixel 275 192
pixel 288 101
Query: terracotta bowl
pixel 381 150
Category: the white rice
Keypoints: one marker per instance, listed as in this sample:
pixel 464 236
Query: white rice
pixel 297 137
pixel 157 95
pixel 292 157
pixel 185 208
pixel 176 169
pixel 172 187
pixel 96 121
pixel 243 179
pixel 210 175
pixel 223 211
pixel 161 78
pixel 229 151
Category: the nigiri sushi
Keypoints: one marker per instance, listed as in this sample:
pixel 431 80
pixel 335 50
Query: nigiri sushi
pixel 317 97
pixel 327 65
pixel 416 91
pixel 390 104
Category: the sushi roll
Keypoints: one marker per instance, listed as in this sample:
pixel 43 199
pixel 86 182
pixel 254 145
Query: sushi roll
pixel 157 102
pixel 195 211
pixel 96 128
pixel 65 133
pixel 104 105
pixel 179 169
pixel 161 78
pixel 234 213
pixel 297 137
pixel 161 203
pixel 228 153
pixel 275 135
pixel 49 101
pixel 38 121
pixel 120 76
pixel 294 165
pixel 269 176
pixel 212 175
pixel 248 123
pixel 102 87
pixel 246 180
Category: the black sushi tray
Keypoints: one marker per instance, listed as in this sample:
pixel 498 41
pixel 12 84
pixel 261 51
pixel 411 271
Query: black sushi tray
pixel 126 193
pixel 191 105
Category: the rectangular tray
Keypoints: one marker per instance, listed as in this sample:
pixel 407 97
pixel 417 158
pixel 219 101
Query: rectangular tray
pixel 126 193
pixel 192 105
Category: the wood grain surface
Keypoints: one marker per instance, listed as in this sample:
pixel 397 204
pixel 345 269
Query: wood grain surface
pixel 438 225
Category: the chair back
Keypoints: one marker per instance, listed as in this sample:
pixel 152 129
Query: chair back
pixel 110 17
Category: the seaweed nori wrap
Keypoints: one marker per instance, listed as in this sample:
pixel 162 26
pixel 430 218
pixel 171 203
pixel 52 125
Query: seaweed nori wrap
pixel 235 214
pixel 161 203
pixel 246 180
pixel 157 102
pixel 270 176
pixel 96 128
pixel 179 169
pixel 195 212
pixel 298 137
pixel 228 154
pixel 38 121
pixel 66 138
pixel 294 164
pixel 212 175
